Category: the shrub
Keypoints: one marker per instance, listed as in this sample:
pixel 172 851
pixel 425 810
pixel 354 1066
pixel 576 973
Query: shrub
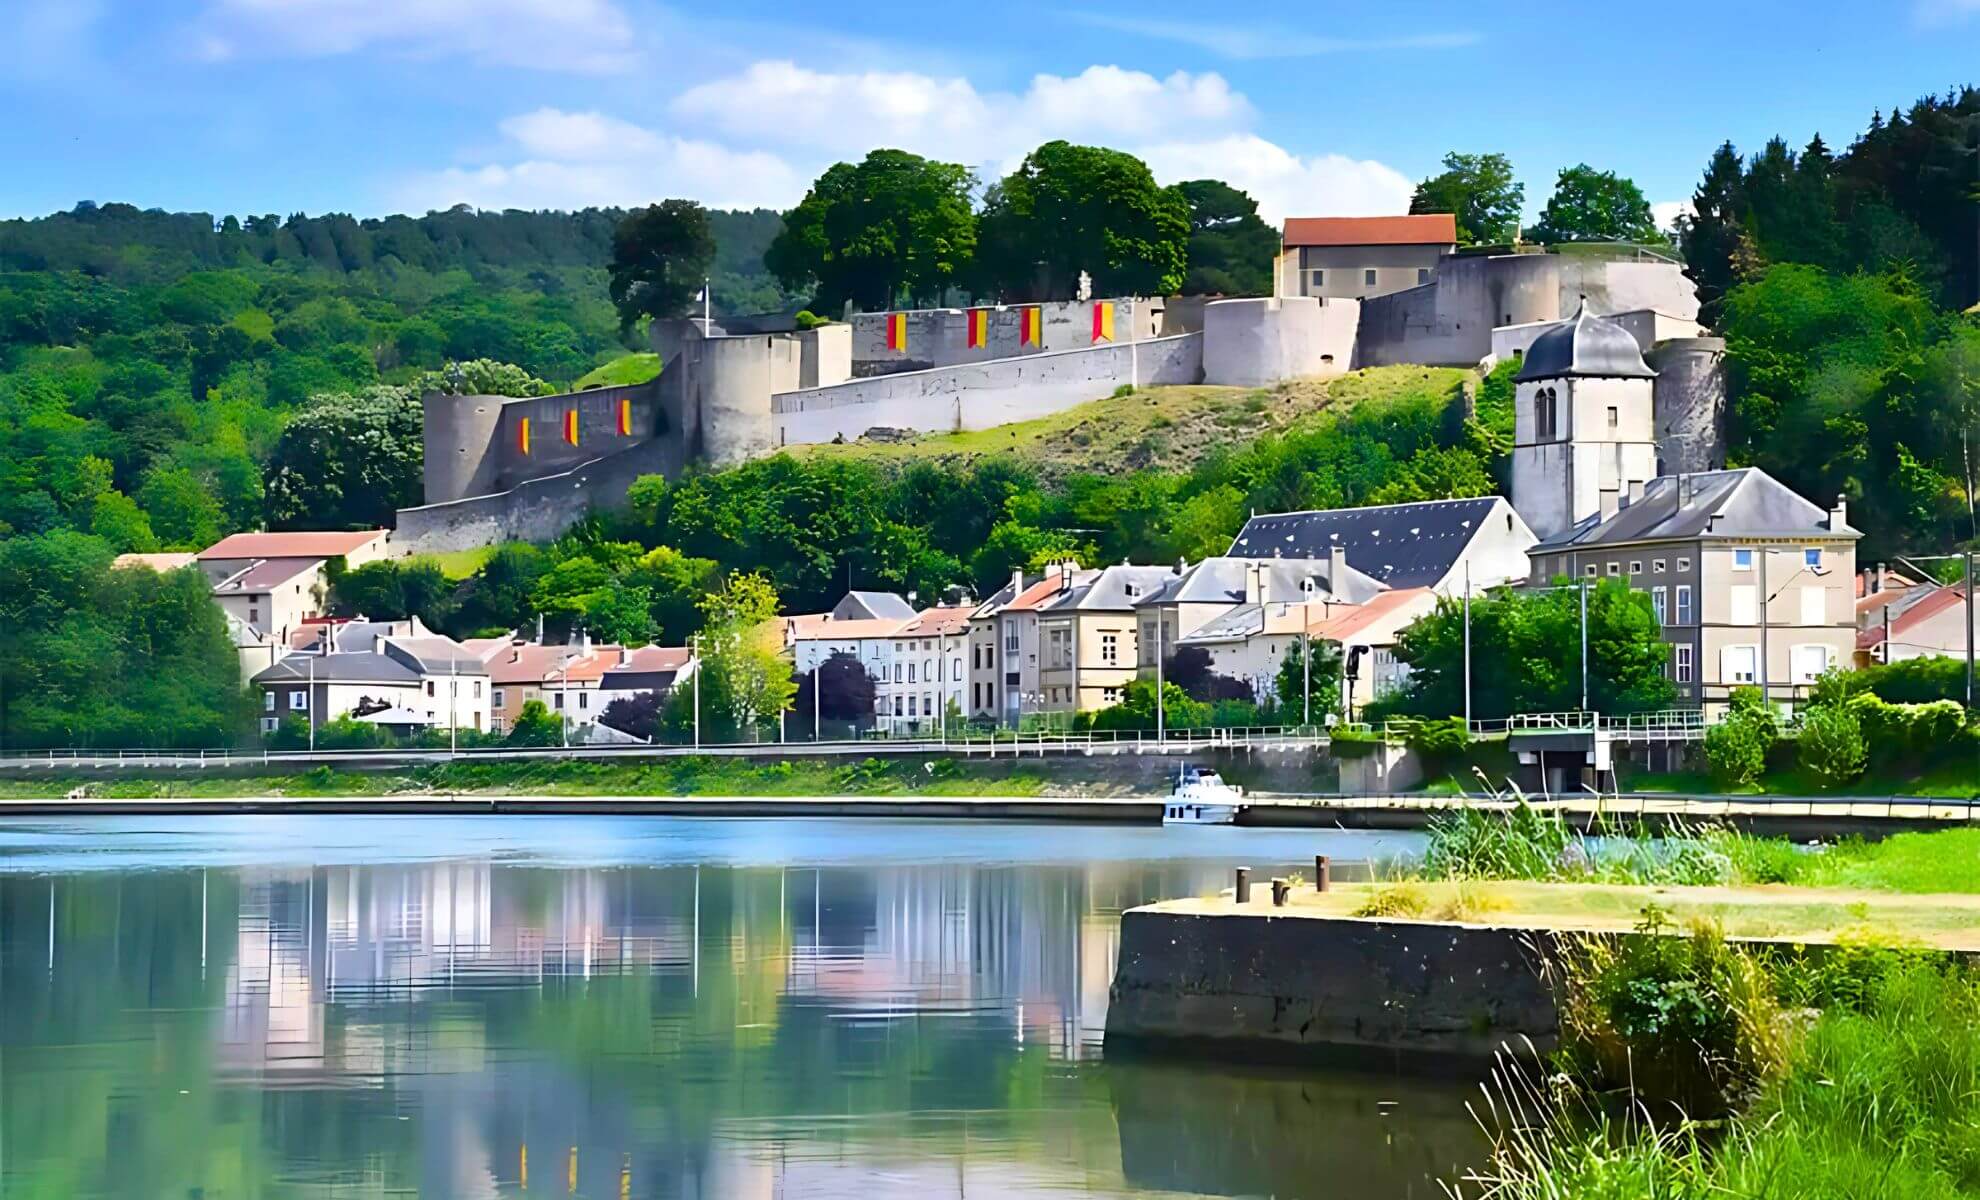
pixel 1831 743
pixel 1736 749
pixel 1917 680
pixel 1439 741
pixel 1691 1020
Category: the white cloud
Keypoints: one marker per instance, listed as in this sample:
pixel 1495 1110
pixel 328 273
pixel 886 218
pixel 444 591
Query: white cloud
pixel 1283 183
pixel 572 160
pixel 557 35
pixel 760 136
pixel 1944 12
pixel 1250 41
pixel 785 104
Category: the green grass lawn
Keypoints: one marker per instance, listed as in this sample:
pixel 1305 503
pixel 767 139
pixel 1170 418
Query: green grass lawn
pixel 1172 428
pixel 620 372
pixel 1941 782
pixel 459 564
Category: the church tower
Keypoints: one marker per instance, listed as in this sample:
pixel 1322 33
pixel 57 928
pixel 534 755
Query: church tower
pixel 1584 430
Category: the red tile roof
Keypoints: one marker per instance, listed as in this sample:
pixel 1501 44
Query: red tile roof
pixel 1425 229
pixel 1348 620
pixel 939 622
pixel 311 544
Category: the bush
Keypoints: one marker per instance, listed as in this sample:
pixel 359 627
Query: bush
pixel 1831 743
pixel 1690 1020
pixel 1917 680
pixel 1736 749
pixel 1439 741
pixel 1908 734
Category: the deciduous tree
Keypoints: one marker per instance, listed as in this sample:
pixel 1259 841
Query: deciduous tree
pixel 1480 191
pixel 660 260
pixel 892 226
pixel 1068 209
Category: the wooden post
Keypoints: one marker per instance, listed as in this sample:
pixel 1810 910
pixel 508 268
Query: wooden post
pixel 1321 879
pixel 1242 892
pixel 1280 890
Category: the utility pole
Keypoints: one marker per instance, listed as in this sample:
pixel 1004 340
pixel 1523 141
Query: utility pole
pixel 1967 559
pixel 1306 679
pixel 817 685
pixel 453 704
pixel 1467 647
pixel 1161 734
pixel 1766 690
pixel 1584 645
pixel 695 643
pixel 312 704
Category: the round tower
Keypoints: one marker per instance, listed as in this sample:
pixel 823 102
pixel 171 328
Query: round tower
pixel 458 436
pixel 1690 401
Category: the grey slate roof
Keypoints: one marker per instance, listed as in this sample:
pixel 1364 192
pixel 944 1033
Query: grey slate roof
pixel 1115 589
pixel 1222 581
pixel 1746 502
pixel 435 655
pixel 338 668
pixel 1584 345
pixel 872 606
pixel 1241 622
pixel 1402 545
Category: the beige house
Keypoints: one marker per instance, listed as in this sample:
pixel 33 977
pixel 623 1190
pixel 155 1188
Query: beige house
pixel 1194 596
pixel 1090 638
pixel 397 674
pixel 1006 644
pixel 1753 584
pixel 1353 258
pixel 1366 635
pixel 1931 621
pixel 271 584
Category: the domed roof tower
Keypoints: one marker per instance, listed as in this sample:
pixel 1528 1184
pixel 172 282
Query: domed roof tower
pixel 1585 346
pixel 1584 427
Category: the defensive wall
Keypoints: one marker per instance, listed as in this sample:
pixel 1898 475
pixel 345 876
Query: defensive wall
pixel 1255 343
pixel 916 339
pixel 478 445
pixel 981 395
pixel 1689 400
pixel 1451 320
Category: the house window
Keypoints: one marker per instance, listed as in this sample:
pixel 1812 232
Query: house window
pixel 1737 664
pixel 254 615
pixel 268 702
pixel 897 706
pixel 557 701
pixel 1810 662
pixel 1657 566
pixel 1422 275
pixel 270 724
pixel 1545 422
pixel 1814 606
pixel 1684 604
pixel 1742 560
pixel 911 678
pixel 477 689
pixel 429 687
pixel 1319 279
pixel 495 697
pixel 1368 277
pixel 1110 695
pixel 298 700
pixel 1589 570
pixel 1682 671
pixel 1684 564
pixel 897 672
pixel 584 699
pixel 1614 418
pixel 958 668
pixel 1636 566
pixel 1011 640
pixel 1110 648
pixel 1659 602
pixel 1615 569
pixel 1745 604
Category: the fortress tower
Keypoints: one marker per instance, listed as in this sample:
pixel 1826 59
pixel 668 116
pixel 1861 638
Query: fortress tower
pixel 1585 430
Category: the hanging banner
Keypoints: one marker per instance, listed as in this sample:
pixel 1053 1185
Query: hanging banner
pixel 522 437
pixel 570 426
pixel 625 418
pixel 1103 321
pixel 897 331
pixel 1030 326
pixel 977 330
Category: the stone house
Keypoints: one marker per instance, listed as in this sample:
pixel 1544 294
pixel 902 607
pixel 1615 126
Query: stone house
pixel 1090 638
pixel 1352 258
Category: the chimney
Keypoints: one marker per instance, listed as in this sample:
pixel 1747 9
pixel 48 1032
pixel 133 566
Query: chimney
pixel 1839 513
pixel 1610 501
pixel 1336 569
pixel 515 654
pixel 625 656
pixel 1684 490
pixel 1017 581
pixel 1635 492
pixel 584 641
pixel 1253 592
pixel 1264 583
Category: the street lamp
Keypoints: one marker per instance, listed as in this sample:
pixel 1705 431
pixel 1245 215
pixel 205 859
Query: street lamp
pixel 1766 601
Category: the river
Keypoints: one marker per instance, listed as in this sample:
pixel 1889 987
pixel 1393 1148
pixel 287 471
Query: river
pixel 289 1006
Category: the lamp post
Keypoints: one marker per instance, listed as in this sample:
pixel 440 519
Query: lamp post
pixel 1467 646
pixel 694 644
pixel 1766 602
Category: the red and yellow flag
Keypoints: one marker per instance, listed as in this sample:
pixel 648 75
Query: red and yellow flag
pixel 897 331
pixel 522 436
pixel 570 426
pixel 1103 321
pixel 1029 331
pixel 625 418
pixel 978 328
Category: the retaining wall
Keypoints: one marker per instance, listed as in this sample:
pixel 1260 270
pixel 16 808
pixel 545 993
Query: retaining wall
pixel 536 510
pixel 978 396
pixel 474 445
pixel 1252 982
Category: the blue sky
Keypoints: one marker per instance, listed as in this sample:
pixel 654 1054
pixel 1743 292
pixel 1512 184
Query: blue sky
pixel 374 106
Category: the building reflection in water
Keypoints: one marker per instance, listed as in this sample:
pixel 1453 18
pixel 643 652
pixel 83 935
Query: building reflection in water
pixel 472 1029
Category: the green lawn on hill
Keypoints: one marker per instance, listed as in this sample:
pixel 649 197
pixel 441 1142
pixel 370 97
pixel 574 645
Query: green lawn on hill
pixel 620 372
pixel 1172 428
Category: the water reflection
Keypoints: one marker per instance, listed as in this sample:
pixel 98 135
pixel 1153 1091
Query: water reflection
pixel 479 1024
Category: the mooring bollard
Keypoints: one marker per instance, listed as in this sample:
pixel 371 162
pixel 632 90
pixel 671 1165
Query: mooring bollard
pixel 1321 878
pixel 1280 890
pixel 1243 893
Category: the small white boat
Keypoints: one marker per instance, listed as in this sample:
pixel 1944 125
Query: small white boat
pixel 1202 798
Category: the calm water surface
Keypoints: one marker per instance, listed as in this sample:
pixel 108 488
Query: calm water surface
pixel 619 1007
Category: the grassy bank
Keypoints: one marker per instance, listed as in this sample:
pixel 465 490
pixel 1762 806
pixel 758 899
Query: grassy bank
pixel 1169 427
pixel 552 777
pixel 1694 1066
